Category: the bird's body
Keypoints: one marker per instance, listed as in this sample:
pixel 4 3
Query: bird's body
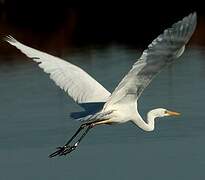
pixel 121 105
pixel 122 112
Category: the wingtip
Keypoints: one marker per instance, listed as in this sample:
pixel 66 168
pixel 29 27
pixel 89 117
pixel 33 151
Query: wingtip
pixel 193 16
pixel 194 20
pixel 189 22
pixel 10 39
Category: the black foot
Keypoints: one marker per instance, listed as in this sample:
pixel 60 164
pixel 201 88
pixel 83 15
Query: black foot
pixel 63 151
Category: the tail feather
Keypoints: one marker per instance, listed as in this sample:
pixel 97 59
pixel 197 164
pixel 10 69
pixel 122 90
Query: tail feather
pixel 100 116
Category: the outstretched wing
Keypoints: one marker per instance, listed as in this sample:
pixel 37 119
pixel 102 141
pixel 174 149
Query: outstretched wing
pixel 161 52
pixel 72 79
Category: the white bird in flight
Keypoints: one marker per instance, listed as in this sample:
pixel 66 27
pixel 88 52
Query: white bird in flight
pixel 102 107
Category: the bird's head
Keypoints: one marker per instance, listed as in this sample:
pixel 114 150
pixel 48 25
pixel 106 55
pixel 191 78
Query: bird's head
pixel 161 112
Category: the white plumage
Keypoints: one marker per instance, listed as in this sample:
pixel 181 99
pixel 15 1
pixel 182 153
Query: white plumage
pixel 72 79
pixel 121 105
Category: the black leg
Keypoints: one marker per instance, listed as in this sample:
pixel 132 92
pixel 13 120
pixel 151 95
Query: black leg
pixel 69 149
pixel 77 132
pixel 66 148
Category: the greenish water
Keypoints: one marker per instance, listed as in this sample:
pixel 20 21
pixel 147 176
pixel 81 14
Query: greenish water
pixel 34 119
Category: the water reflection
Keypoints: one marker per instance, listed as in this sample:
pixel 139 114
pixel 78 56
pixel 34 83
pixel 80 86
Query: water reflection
pixel 34 117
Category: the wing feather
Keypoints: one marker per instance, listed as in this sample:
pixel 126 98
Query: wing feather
pixel 162 51
pixel 72 79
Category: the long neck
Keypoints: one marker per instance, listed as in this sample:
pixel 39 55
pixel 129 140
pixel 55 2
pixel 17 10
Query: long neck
pixel 149 126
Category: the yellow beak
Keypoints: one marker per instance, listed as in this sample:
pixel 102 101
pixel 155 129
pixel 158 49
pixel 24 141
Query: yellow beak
pixel 172 113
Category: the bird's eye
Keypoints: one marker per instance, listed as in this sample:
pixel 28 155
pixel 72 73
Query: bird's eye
pixel 165 112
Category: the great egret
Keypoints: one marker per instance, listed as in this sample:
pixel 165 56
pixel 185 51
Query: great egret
pixel 121 105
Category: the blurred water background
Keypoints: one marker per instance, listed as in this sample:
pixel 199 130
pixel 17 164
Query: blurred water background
pixel 34 112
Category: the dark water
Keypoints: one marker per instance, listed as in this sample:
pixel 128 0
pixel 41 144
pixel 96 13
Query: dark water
pixel 34 119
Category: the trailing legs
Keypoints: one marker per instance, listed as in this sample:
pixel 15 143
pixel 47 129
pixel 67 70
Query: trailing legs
pixel 67 148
